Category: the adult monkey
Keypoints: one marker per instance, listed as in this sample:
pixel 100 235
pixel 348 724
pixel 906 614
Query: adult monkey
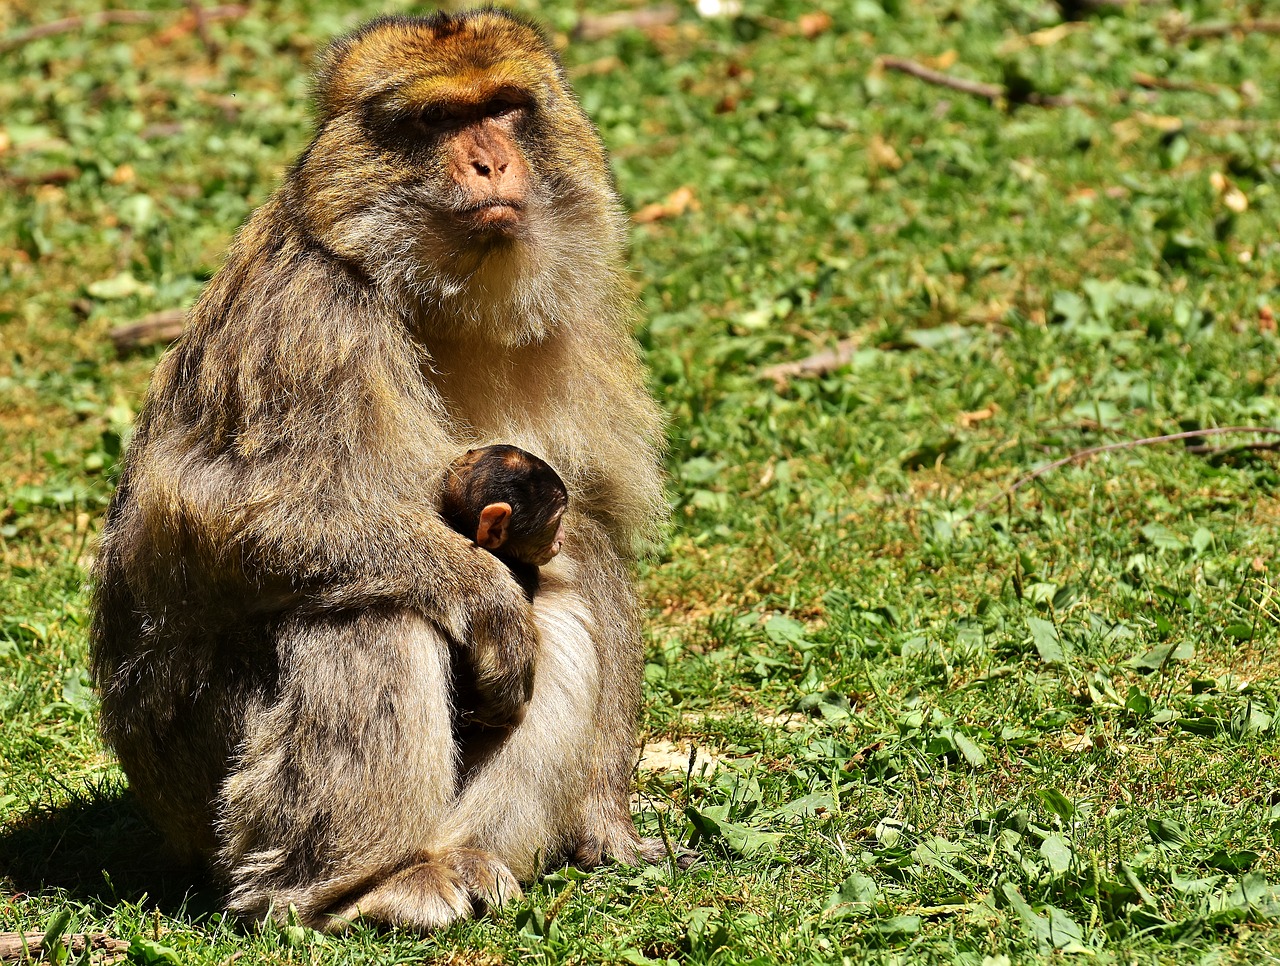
pixel 276 595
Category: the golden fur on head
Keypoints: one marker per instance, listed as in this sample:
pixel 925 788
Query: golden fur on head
pixel 404 61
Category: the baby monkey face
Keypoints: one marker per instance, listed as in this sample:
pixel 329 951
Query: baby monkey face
pixel 540 549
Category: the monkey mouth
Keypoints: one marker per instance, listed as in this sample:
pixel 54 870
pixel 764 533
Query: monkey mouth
pixel 500 214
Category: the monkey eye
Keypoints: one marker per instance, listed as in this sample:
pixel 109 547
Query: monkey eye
pixel 436 117
pixel 501 108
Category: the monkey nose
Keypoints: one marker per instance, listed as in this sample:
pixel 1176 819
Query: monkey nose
pixel 487 169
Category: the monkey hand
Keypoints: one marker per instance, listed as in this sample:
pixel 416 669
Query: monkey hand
pixel 501 642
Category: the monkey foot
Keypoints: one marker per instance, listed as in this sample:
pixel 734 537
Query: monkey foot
pixel 425 896
pixel 488 881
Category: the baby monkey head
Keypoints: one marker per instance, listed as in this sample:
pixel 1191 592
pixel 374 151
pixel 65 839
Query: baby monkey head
pixel 509 501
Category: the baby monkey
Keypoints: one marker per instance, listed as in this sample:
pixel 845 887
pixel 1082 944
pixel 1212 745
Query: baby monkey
pixel 511 503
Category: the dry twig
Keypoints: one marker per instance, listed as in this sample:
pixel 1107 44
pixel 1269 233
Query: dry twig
pixel 818 364
pixel 994 93
pixel 594 26
pixel 1254 447
pixel 155 328
pixel 12 946
pixel 52 176
pixel 202 29
pixel 1259 25
pixel 1092 451
pixel 104 17
pixel 1152 82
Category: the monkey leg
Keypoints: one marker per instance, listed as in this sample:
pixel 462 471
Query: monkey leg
pixel 335 801
pixel 523 803
pixel 606 829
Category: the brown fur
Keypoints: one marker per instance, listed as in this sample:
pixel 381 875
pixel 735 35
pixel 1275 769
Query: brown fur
pixel 276 595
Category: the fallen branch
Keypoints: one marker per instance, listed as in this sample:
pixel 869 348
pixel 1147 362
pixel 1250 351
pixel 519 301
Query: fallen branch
pixel 1247 26
pixel 155 328
pixel 104 17
pixel 1233 125
pixel 993 93
pixel 595 26
pixel 201 16
pixel 68 24
pixel 18 947
pixel 1120 4
pixel 52 176
pixel 1255 447
pixel 1152 82
pixel 818 364
pixel 1093 451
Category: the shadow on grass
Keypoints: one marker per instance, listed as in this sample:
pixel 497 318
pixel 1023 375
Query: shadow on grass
pixel 98 848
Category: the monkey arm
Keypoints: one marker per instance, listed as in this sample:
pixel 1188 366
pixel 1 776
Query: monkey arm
pixel 291 454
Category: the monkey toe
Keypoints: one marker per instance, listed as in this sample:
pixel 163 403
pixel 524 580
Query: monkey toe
pixel 488 881
pixel 426 896
pixel 630 849
pixel 655 850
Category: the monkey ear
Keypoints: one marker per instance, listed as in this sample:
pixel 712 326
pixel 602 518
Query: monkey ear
pixel 492 531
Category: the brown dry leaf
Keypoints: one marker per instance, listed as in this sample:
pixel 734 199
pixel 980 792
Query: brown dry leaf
pixel 882 154
pixel 124 174
pixel 601 65
pixel 815 23
pixel 941 61
pixel 1078 744
pixel 668 756
pixel 1231 196
pixel 1051 35
pixel 1130 129
pixel 1165 123
pixel 1040 38
pixel 184 25
pixel 675 205
pixel 1266 319
pixel 1235 200
pixel 969 420
pixel 1126 131
pixel 29 947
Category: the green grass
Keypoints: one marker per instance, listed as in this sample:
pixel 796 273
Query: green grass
pixel 942 735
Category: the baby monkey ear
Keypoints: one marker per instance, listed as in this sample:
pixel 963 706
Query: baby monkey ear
pixel 492 531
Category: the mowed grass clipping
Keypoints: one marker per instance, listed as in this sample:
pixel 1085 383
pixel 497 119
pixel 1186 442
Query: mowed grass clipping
pixel 902 717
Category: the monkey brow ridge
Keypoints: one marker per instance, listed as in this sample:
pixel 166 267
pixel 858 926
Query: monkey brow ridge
pixel 474 85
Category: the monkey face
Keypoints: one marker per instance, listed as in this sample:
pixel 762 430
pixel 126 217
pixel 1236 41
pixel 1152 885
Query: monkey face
pixel 453 161
pixel 541 548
